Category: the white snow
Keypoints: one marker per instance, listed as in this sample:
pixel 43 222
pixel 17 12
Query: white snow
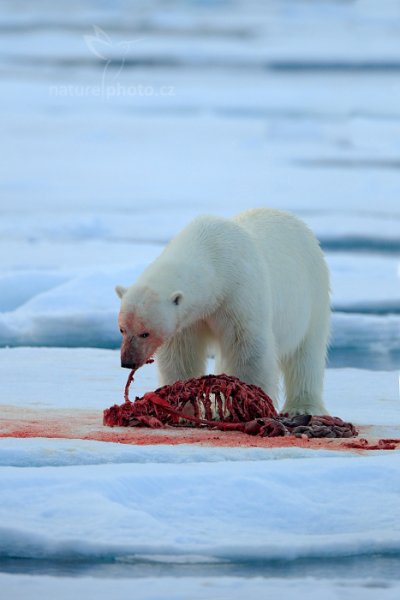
pixel 226 510
pixel 84 378
pixel 99 500
pixel 211 107
pixel 195 588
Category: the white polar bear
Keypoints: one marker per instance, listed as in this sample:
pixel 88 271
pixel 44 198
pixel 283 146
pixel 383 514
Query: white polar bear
pixel 255 286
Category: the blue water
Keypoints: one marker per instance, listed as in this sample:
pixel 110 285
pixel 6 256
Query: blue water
pixel 373 567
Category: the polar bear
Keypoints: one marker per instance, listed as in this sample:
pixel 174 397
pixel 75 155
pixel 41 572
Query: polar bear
pixel 255 287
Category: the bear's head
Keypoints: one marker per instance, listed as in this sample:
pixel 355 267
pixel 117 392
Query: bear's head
pixel 146 320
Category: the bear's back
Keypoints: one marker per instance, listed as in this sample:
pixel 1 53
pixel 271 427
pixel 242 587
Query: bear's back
pixel 294 263
pixel 282 238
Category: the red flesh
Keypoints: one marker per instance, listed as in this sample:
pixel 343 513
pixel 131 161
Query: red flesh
pixel 241 407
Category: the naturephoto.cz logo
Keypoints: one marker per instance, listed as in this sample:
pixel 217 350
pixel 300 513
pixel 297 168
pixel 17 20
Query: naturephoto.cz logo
pixel 114 56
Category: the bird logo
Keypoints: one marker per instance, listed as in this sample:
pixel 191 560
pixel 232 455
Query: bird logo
pixel 101 45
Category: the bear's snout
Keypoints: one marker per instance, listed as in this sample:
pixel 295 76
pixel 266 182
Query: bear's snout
pixel 130 358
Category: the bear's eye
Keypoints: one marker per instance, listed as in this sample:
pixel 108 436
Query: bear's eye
pixel 144 335
pixel 122 330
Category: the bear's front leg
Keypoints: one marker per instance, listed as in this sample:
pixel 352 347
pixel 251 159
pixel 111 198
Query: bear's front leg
pixel 256 370
pixel 183 356
pixel 253 362
pixel 246 349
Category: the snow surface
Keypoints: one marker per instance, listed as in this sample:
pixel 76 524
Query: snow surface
pixel 210 107
pixel 150 502
pixel 84 378
pixel 182 588
pixel 224 510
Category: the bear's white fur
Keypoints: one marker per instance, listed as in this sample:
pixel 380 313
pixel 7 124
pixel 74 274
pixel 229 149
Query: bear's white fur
pixel 255 286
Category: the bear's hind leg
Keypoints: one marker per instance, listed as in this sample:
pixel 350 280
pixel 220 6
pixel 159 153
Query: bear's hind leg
pixel 304 377
pixel 184 356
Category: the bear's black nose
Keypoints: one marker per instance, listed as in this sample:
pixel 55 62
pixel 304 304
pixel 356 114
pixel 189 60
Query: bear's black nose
pixel 128 365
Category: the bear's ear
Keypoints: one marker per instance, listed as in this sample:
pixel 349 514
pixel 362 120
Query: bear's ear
pixel 121 290
pixel 176 298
